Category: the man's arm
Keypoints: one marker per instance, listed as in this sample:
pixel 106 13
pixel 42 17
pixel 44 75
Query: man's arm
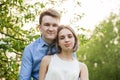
pixel 26 65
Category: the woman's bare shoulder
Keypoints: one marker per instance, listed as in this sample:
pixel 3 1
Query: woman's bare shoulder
pixel 84 71
pixel 83 65
pixel 47 58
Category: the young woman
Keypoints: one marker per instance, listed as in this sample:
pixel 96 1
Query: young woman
pixel 63 66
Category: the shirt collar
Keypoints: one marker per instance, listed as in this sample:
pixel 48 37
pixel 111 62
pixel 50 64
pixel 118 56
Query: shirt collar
pixel 43 43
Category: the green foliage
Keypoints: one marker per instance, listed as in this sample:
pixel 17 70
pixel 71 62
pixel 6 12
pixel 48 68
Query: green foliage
pixel 102 52
pixel 13 39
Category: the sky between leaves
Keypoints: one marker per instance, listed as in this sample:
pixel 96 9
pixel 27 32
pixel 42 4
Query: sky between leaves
pixel 94 12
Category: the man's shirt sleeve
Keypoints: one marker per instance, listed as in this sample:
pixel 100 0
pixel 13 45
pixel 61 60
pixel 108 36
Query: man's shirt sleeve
pixel 26 65
pixel 74 54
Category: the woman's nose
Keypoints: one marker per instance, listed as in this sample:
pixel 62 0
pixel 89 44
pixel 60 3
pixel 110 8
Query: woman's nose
pixel 66 39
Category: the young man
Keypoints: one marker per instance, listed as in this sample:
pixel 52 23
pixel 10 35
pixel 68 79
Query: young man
pixel 34 52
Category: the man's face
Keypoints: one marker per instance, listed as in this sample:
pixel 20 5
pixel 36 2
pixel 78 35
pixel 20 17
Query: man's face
pixel 48 28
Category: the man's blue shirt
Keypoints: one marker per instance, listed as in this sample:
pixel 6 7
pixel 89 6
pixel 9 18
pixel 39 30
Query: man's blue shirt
pixel 32 57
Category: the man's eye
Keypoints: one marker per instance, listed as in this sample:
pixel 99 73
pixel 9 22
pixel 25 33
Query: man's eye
pixel 46 24
pixel 55 25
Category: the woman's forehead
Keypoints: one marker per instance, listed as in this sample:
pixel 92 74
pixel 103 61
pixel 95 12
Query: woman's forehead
pixel 64 31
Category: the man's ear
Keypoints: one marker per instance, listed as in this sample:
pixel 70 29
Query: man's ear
pixel 39 27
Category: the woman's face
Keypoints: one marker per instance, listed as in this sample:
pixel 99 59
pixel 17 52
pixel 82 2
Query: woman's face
pixel 66 39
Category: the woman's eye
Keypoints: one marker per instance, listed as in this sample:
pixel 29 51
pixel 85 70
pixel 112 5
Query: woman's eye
pixel 62 37
pixel 70 36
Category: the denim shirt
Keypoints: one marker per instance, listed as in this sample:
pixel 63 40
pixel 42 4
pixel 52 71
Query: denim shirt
pixel 31 58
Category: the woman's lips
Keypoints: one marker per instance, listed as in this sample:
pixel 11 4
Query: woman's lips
pixel 67 45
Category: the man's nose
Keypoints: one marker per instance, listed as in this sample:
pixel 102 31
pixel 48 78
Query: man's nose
pixel 50 27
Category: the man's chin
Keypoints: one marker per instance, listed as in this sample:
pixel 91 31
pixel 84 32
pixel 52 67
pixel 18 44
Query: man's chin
pixel 51 38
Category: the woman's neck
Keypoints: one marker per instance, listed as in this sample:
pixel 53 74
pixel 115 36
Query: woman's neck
pixel 66 56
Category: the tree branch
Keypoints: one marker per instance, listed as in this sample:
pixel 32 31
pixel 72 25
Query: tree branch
pixel 12 36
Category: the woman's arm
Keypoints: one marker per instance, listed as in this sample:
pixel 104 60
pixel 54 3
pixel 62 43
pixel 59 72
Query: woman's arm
pixel 44 67
pixel 83 72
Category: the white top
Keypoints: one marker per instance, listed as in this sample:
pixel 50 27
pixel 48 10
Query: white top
pixel 63 70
